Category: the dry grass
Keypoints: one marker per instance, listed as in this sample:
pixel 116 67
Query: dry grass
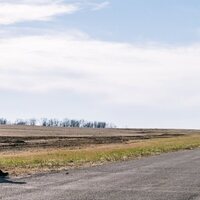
pixel 51 159
pixel 37 131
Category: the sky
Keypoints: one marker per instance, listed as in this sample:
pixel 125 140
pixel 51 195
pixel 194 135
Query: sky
pixel 132 63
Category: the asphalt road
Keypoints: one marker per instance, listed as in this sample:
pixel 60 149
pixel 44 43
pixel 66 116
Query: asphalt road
pixel 173 176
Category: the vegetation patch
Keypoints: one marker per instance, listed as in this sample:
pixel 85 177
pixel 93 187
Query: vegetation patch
pixel 55 159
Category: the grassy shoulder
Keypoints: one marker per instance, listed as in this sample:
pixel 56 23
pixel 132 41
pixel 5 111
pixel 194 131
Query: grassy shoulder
pixel 54 159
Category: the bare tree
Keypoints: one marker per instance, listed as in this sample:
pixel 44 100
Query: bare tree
pixel 21 122
pixel 73 123
pixel 44 122
pixel 32 122
pixel 66 123
pixel 3 121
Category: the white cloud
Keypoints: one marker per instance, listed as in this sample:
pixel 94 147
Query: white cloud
pixel 13 12
pixel 123 73
pixel 99 6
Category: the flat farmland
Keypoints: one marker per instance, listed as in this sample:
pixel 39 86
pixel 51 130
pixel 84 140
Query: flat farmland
pixel 33 149
pixel 19 137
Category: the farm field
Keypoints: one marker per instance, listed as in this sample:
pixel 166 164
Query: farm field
pixel 19 137
pixel 27 150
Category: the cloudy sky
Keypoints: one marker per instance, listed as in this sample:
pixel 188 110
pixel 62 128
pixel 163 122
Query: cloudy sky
pixel 135 63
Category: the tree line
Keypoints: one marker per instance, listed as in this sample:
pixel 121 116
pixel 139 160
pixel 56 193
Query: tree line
pixel 68 123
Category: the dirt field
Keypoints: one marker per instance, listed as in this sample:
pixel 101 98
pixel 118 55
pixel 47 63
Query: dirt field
pixel 23 137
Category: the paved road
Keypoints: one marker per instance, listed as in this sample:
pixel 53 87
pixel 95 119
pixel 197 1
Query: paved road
pixel 173 176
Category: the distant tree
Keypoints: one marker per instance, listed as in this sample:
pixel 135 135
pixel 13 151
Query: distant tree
pixel 85 124
pixel 44 122
pixel 111 125
pixel 32 122
pixel 56 122
pixel 99 124
pixel 21 122
pixel 66 123
pixel 89 125
pixel 3 121
pixel 81 123
pixel 73 123
pixel 95 124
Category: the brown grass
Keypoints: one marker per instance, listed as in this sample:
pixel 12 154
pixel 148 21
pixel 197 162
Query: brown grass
pixel 55 159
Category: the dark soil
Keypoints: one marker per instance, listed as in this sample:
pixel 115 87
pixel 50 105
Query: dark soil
pixel 18 143
pixel 23 137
